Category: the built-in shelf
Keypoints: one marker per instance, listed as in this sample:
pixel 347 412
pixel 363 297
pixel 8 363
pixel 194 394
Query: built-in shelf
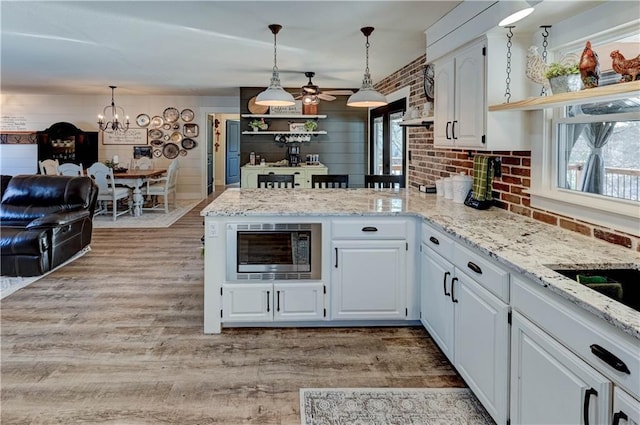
pixel 308 117
pixel 562 99
pixel 255 133
pixel 417 122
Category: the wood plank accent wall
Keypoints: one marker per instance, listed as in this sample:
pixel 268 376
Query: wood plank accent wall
pixel 429 164
pixel 343 149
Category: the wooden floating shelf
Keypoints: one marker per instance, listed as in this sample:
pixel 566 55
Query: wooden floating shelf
pixel 417 122
pixel 255 133
pixel 310 117
pixel 571 98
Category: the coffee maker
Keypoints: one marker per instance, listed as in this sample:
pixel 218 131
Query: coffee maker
pixel 293 156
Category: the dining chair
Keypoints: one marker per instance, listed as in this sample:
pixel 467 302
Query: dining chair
pixel 49 167
pixel 329 181
pixel 163 186
pixel 107 190
pixel 378 181
pixel 280 181
pixel 142 163
pixel 70 169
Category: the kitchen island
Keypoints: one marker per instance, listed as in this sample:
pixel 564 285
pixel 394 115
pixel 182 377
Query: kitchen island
pixel 524 245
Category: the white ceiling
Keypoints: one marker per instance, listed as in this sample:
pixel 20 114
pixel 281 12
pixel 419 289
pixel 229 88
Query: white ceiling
pixel 214 47
pixel 204 47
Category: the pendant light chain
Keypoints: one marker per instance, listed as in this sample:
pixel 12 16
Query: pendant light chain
pixel 507 92
pixel 545 44
pixel 275 51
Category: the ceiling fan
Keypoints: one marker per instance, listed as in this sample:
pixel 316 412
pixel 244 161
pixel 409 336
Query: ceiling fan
pixel 311 93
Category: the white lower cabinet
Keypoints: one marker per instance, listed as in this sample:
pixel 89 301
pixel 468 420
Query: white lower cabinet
pixel 266 302
pixel 550 385
pixel 626 409
pixel 368 279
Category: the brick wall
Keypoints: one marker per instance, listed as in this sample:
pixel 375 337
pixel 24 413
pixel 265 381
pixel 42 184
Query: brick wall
pixel 428 164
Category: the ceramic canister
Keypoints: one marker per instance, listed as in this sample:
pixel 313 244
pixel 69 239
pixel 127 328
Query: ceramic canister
pixel 440 187
pixel 448 188
pixel 461 187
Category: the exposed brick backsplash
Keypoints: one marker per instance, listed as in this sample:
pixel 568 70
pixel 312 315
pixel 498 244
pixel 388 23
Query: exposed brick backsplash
pixel 429 164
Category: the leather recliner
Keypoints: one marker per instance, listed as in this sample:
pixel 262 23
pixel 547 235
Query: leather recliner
pixel 44 221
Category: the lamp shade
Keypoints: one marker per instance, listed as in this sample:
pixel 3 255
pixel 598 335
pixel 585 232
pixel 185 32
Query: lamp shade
pixel 367 98
pixel 513 11
pixel 275 96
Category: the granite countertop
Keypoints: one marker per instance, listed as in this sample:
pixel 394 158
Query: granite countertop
pixel 526 245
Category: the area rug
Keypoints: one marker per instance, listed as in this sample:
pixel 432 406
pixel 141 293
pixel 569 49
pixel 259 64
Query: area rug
pixel 148 218
pixel 9 285
pixel 386 406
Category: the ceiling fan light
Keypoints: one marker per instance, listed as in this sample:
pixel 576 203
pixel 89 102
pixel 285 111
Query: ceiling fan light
pixel 310 99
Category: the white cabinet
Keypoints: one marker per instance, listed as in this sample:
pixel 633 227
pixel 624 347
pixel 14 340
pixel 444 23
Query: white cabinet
pixel 626 409
pixel 370 269
pixel 550 385
pixel 266 302
pixel 459 99
pixel 468 317
pixel 302 175
pixel 466 82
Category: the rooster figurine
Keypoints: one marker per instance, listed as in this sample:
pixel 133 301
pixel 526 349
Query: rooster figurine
pixel 536 67
pixel 589 67
pixel 627 68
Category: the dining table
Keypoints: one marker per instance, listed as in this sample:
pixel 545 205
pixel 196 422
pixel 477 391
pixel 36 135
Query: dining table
pixel 134 179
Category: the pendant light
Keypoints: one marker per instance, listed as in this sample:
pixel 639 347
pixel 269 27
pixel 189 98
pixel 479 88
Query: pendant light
pixel 275 95
pixel 517 10
pixel 367 96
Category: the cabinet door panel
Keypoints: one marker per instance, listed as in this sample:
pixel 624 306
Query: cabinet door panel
pixel 626 409
pixel 247 303
pixel 549 384
pixel 435 304
pixel 443 103
pixel 482 344
pixel 469 97
pixel 295 301
pixel 369 280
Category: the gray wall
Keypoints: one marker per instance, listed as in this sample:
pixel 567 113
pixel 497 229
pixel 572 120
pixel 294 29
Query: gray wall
pixel 343 149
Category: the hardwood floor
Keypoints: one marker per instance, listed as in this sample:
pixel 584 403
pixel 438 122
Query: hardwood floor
pixel 116 337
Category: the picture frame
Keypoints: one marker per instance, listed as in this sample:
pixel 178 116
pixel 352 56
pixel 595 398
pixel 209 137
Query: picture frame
pixel 133 136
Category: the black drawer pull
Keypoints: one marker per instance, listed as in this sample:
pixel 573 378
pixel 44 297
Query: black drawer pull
pixel 369 229
pixel 618 416
pixel 587 399
pixel 473 266
pixel 434 240
pixel 268 296
pixel 296 172
pixel 453 298
pixel 610 359
pixel 444 284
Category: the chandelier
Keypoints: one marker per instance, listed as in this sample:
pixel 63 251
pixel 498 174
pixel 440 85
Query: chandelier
pixel 108 120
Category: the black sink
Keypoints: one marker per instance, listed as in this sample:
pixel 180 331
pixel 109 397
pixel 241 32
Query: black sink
pixel 622 285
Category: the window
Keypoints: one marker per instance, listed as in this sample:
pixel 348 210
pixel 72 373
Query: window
pixel 387 151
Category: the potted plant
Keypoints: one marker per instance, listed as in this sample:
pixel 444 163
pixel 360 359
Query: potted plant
pixel 258 124
pixel 310 125
pixel 564 77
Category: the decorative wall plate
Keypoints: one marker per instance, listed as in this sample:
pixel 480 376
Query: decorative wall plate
pixel 166 126
pixel 157 121
pixel 157 153
pixel 187 115
pixel 183 152
pixel 157 143
pixel 176 136
pixel 171 150
pixel 171 115
pixel 155 133
pixel 190 130
pixel 189 143
pixel 143 120
pixel 176 127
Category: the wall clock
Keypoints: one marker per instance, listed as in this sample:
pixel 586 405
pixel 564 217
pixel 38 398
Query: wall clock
pixel 429 81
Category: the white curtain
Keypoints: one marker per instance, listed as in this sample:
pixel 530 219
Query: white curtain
pixel 597 135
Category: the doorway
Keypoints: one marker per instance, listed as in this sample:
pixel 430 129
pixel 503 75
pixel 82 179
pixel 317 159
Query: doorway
pixel 232 156
pixel 387 146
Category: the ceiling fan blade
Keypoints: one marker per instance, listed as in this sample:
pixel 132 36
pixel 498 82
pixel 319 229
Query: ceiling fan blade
pixel 325 96
pixel 298 97
pixel 339 92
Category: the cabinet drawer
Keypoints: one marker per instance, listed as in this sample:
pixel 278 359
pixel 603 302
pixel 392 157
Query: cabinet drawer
pixel 369 229
pixel 483 271
pixel 437 241
pixel 588 336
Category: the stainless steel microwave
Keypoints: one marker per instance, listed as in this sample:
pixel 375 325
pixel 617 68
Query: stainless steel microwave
pixel 274 251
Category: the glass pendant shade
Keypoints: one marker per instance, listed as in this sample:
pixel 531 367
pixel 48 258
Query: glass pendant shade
pixel 275 95
pixel 367 96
